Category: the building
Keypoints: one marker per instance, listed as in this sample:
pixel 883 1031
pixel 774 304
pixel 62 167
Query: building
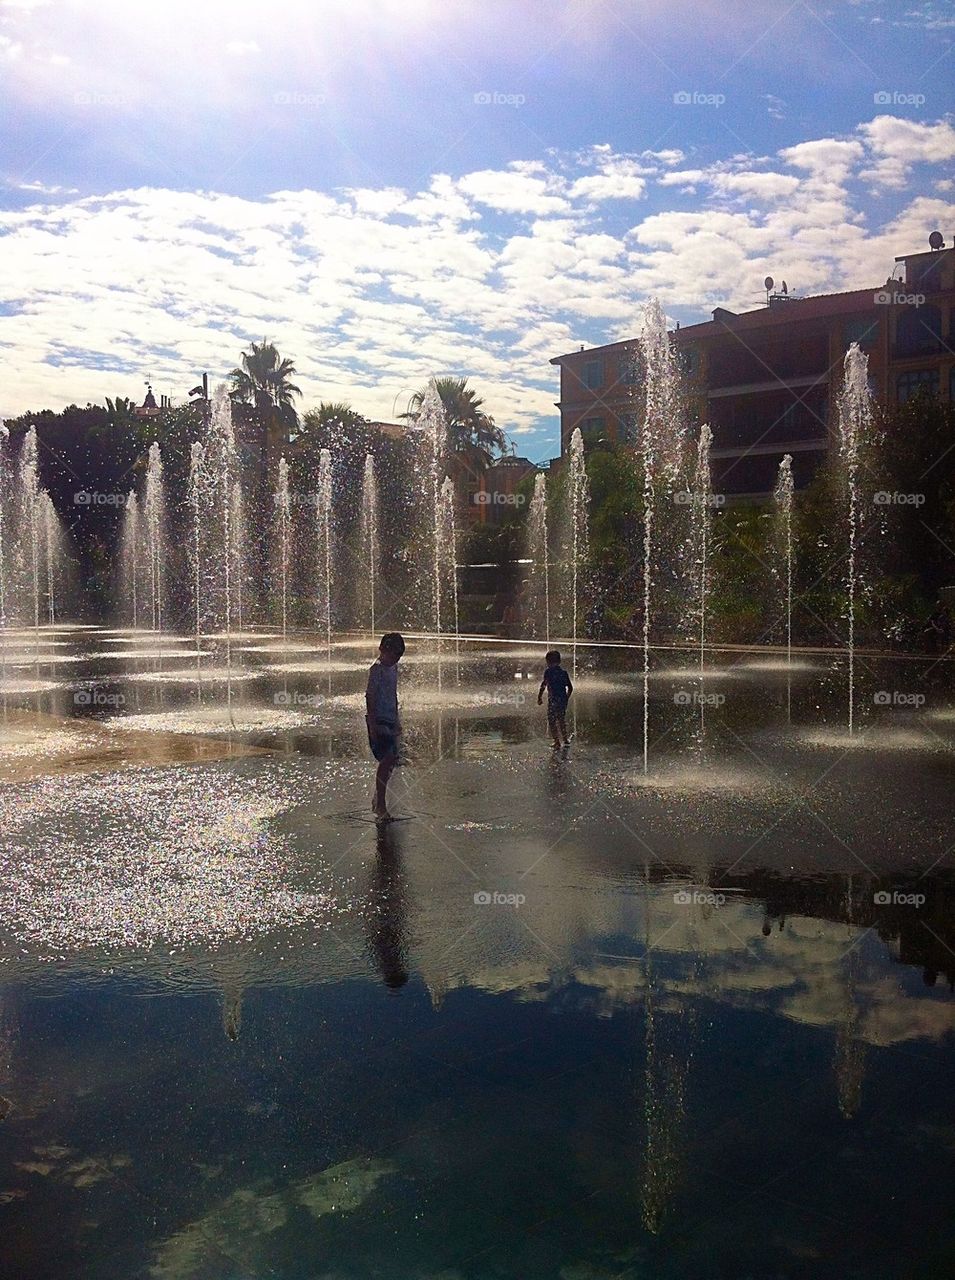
pixel 488 493
pixel 766 381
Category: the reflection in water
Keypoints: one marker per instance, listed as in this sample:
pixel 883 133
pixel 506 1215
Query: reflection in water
pixel 9 1031
pixel 386 927
pixel 232 1013
pixel 849 1061
pixel 670 1035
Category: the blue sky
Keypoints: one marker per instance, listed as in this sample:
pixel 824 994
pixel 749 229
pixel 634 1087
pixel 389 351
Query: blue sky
pixel 391 188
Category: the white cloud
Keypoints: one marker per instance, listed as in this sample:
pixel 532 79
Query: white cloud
pixel 681 178
pixel 512 192
pixel 239 48
pixel 764 186
pixel 897 144
pixel 831 158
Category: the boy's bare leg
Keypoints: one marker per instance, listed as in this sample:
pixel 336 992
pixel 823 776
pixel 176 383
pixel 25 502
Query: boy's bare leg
pixel 562 727
pixel 385 767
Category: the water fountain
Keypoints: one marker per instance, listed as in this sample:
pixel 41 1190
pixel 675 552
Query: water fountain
pixel 51 551
pixel 661 448
pixel 29 524
pixel 323 575
pixel 448 560
pixel 702 517
pixel 538 553
pixel 855 423
pixel 196 453
pixel 783 504
pixel 221 470
pixel 577 500
pixel 369 532
pixel 239 551
pixel 433 433
pixel 154 519
pixel 282 544
pixel 129 556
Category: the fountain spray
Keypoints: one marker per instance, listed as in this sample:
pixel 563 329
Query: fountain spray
pixel 537 522
pixel 855 421
pixel 369 531
pixel 196 458
pixel 578 499
pixel 155 517
pixel 283 514
pixel 448 546
pixel 661 419
pixel 783 499
pixel 702 517
pixel 323 511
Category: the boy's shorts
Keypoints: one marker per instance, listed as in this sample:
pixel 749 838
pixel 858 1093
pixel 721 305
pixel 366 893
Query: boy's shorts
pixel 386 741
pixel 556 709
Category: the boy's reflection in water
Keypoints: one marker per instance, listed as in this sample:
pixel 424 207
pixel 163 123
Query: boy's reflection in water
pixel 388 908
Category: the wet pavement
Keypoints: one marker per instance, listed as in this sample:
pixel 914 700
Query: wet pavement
pixel 562 1019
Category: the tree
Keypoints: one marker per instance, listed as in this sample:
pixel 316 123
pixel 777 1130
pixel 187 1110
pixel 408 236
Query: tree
pixel 471 432
pixel 120 412
pixel 264 380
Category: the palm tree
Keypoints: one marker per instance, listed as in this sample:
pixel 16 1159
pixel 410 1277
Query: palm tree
pixel 471 432
pixel 264 380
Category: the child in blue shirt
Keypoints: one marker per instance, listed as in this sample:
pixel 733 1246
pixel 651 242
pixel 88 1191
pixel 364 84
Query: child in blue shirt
pixel 559 688
pixel 381 715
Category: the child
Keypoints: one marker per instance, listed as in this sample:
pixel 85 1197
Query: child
pixel 557 683
pixel 381 715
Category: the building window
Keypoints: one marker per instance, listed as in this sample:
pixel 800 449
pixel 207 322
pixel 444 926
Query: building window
pixel 927 276
pixel 864 331
pixel 593 374
pixel 915 381
pixel 690 359
pixel 918 330
pixel 629 371
pixel 592 430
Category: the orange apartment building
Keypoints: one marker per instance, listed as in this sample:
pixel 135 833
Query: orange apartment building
pixel 766 381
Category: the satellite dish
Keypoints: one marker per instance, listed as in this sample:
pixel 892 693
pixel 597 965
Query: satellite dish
pixel 785 287
pixel 768 282
pixel 936 240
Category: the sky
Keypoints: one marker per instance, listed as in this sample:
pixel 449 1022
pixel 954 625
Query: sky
pixel 390 189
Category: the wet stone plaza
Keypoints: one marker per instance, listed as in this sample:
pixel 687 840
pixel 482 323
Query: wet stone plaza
pixel 565 1018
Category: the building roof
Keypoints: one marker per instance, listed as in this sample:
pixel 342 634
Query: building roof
pixel 778 313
